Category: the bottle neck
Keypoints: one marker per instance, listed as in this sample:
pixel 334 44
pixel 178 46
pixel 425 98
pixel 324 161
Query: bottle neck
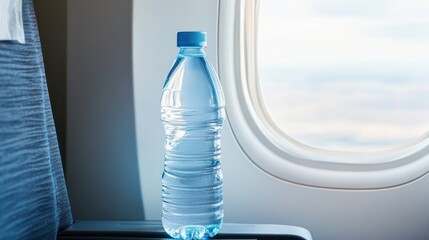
pixel 191 51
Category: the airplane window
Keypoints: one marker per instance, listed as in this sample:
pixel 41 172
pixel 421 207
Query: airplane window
pixel 328 93
pixel 345 75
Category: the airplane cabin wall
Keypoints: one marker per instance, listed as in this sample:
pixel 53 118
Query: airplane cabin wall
pixel 251 195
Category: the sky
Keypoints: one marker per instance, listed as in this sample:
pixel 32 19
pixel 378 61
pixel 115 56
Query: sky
pixel 346 75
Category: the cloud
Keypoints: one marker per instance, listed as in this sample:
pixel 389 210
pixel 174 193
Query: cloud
pixel 346 114
pixel 408 32
pixel 349 8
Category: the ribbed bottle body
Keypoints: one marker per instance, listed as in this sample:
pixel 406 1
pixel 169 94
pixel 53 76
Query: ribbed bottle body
pixel 192 112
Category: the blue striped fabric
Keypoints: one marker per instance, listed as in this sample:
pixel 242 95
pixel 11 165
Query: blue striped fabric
pixel 33 198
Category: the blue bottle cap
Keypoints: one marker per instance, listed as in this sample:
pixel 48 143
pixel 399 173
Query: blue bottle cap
pixel 191 39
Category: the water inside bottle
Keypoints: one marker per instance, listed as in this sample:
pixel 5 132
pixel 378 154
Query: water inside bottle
pixel 192 112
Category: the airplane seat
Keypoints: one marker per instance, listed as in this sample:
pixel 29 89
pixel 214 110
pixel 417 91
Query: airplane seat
pixel 33 198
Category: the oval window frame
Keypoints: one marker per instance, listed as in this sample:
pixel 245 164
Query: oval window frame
pixel 273 151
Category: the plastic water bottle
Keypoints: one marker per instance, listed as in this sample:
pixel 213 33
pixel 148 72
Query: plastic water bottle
pixel 192 112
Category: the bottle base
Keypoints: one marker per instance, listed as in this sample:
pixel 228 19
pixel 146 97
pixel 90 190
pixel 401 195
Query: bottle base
pixel 193 232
